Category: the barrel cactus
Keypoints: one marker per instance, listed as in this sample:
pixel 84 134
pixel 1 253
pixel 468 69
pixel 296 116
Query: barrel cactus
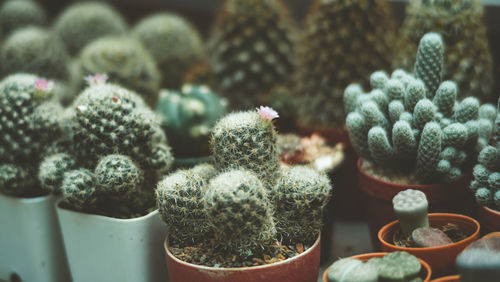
pixel 174 44
pixel 16 14
pixel 404 127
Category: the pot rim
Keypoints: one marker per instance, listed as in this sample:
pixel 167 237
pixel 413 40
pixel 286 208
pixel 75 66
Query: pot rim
pixel 28 200
pixel 232 269
pixel 447 278
pixel 467 240
pixel 490 210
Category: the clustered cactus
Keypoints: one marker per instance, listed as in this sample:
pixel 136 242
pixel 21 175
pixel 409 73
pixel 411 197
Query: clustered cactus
pixel 174 44
pixel 468 61
pixel 188 116
pixel 246 202
pixel 251 47
pixel 413 124
pixel 16 14
pixel 29 122
pixel 342 41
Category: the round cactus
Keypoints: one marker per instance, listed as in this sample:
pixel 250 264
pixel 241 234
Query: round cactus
pixel 17 180
pixel 16 14
pixel 117 175
pixel 351 270
pixel 52 169
pixel 34 50
pixel 79 189
pixel 82 23
pixel 174 44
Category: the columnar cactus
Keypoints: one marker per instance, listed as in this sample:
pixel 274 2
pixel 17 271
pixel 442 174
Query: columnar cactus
pixel 16 14
pixel 82 23
pixel 410 207
pixel 188 117
pixel 36 51
pixel 342 41
pixel 252 50
pixel 460 22
pixel 174 44
pixel 403 126
pixel 125 61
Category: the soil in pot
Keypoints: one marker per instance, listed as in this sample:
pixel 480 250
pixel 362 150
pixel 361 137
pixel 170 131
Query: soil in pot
pixel 451 230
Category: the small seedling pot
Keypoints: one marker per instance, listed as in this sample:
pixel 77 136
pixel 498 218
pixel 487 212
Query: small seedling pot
pixel 450 278
pixel 101 248
pixel 301 268
pixel 425 272
pixel 31 247
pixel 453 197
pixel 489 219
pixel 441 259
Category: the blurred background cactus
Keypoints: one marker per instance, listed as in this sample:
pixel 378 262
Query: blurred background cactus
pixel 15 14
pixel 341 41
pixel 174 44
pixel 252 49
pixel 468 60
pixel 188 116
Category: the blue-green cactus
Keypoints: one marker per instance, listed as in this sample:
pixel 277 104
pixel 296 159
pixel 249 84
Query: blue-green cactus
pixel 429 62
pixel 410 207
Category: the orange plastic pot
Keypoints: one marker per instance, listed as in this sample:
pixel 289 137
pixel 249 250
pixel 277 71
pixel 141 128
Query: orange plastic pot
pixel 441 259
pixel 489 219
pixel 425 272
pixel 451 278
pixel 453 197
pixel 301 268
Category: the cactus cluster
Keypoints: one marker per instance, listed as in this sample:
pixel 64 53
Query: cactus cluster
pixel 125 61
pixel 414 123
pixel 16 14
pixel 174 44
pixel 82 23
pixel 188 116
pixel 342 41
pixel 468 61
pixel 252 50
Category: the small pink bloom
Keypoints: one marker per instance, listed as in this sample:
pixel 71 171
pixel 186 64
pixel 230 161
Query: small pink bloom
pixel 43 85
pixel 267 113
pixel 97 78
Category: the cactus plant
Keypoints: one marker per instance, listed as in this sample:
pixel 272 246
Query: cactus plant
pixel 174 44
pixel 125 61
pixel 252 50
pixel 410 207
pixel 428 237
pixel 351 270
pixel 402 126
pixel 36 51
pixel 82 23
pixel 16 14
pixel 342 41
pixel 460 22
pixel 480 261
pixel 188 117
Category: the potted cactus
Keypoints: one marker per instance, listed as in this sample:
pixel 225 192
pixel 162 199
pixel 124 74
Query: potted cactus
pixel 435 238
pixel 395 266
pixel 225 221
pixel 411 132
pixel 28 125
pixel 481 260
pixel 114 153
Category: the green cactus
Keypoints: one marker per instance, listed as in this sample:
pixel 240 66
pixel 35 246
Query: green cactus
pixel 125 61
pixel 117 175
pixel 429 63
pixel 247 140
pixel 79 189
pixel 299 199
pixel 240 213
pixel 82 23
pixel 15 14
pixel 173 42
pixel 205 170
pixel 352 270
pixel 410 207
pixel 18 180
pixel 188 117
pixel 36 51
pixel 52 169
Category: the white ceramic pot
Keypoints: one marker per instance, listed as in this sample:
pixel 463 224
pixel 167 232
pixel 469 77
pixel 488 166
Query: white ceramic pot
pixel 31 246
pixel 101 248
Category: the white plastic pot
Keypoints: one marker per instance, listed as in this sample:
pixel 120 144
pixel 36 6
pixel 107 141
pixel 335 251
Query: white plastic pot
pixel 101 248
pixel 31 246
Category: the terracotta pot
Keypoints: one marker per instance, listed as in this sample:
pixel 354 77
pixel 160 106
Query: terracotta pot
pixel 453 197
pixel 492 234
pixel 425 272
pixel 441 259
pixel 451 278
pixel 301 268
pixel 489 219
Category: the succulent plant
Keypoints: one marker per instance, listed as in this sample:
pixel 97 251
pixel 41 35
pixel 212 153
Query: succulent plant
pixel 352 270
pixel 174 44
pixel 36 51
pixel 125 61
pixel 410 207
pixel 16 14
pixel 52 170
pixel 342 41
pixel 188 117
pixel 460 22
pixel 82 23
pixel 401 125
pixel 247 140
pixel 79 188
pixel 480 261
pixel 252 50
pixel 428 237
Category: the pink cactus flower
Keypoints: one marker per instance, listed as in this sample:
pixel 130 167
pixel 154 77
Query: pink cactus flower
pixel 97 78
pixel 43 85
pixel 267 113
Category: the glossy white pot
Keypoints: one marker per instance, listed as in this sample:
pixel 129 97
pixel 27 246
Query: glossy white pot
pixel 31 246
pixel 101 248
